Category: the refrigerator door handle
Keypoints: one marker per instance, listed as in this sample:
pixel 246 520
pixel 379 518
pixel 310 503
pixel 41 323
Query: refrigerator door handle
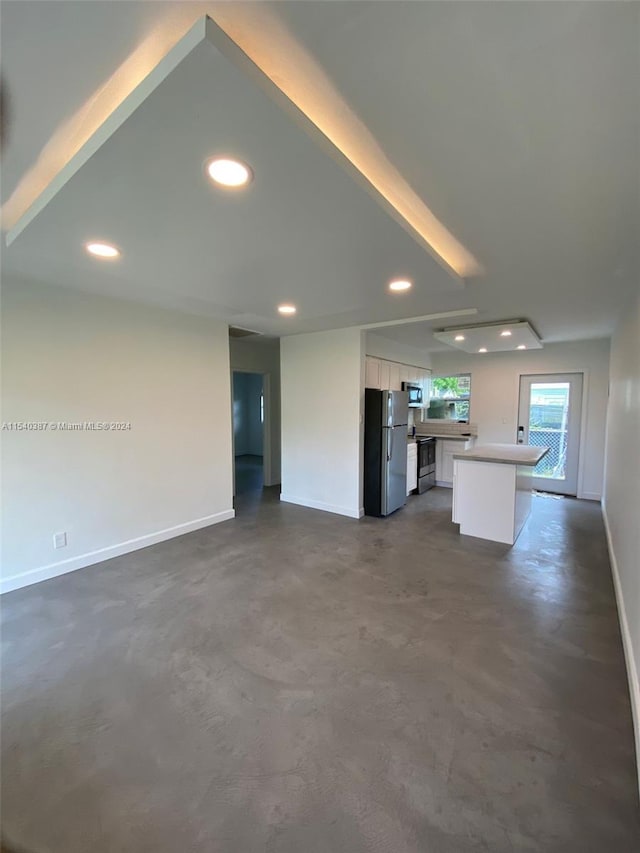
pixel 389 444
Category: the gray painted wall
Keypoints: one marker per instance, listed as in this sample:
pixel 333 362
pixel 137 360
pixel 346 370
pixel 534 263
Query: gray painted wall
pixel 622 492
pixel 247 423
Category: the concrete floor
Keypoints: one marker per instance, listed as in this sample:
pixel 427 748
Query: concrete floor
pixel 248 473
pixel 297 682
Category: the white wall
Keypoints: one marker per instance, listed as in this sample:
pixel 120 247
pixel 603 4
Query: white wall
pixel 381 347
pixel 495 381
pixel 76 357
pixel 247 425
pixel 322 401
pixel 622 492
pixel 263 357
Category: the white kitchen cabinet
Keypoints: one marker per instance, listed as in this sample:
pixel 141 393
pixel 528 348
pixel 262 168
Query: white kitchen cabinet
pixel 372 372
pixel 444 459
pixel 385 375
pixel 412 466
pixel 389 375
pixel 395 383
pixel 425 382
pixel 446 471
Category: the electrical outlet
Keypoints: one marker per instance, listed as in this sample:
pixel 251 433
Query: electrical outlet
pixel 60 540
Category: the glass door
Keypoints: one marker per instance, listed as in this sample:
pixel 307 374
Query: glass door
pixel 549 416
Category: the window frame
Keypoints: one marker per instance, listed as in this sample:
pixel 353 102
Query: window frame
pixel 465 399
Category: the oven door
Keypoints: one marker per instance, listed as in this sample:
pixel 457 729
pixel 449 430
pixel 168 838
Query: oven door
pixel 426 457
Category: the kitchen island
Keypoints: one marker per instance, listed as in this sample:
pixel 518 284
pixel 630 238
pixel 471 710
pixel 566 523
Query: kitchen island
pixel 492 489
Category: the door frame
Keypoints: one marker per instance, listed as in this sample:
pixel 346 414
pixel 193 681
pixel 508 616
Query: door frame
pixel 267 463
pixel 580 493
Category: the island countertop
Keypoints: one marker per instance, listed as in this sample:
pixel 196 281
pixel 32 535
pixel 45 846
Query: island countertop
pixel 505 454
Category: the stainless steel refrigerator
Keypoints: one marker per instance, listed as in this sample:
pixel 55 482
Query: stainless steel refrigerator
pixel 386 414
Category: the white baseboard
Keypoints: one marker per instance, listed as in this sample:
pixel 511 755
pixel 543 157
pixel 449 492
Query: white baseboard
pixel 337 510
pixel 632 668
pixel 361 512
pixel 44 573
pixel 590 496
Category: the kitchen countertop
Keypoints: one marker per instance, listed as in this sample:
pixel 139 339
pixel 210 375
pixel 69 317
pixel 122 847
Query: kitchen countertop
pixel 444 436
pixel 506 454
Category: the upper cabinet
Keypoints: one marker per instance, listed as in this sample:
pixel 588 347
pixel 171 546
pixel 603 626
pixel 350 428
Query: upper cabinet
pixel 385 375
pixel 372 372
pixel 425 382
pixel 389 376
pixel 395 382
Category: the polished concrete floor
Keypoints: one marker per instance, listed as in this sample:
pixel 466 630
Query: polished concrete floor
pixel 297 682
pixel 248 473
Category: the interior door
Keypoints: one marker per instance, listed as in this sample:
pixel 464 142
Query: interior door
pixel 549 416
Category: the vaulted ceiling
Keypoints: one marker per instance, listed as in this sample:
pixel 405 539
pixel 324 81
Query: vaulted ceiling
pixel 515 127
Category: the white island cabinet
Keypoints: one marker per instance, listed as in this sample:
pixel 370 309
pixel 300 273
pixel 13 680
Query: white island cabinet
pixel 492 489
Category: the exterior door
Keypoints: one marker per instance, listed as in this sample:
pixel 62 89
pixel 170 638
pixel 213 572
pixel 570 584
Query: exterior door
pixel 549 416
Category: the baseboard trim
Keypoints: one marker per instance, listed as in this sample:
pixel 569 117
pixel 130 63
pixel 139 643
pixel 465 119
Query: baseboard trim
pixel 310 504
pixel 90 558
pixel 590 496
pixel 629 656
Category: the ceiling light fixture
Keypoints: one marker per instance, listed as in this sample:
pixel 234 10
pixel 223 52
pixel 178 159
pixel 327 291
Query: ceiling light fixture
pixel 504 336
pixel 287 309
pixel 229 173
pixel 399 285
pixel 102 250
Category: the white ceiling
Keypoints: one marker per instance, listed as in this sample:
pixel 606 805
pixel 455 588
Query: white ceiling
pixel 517 124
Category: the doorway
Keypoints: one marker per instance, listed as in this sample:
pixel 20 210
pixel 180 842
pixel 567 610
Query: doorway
pixel 549 416
pixel 248 432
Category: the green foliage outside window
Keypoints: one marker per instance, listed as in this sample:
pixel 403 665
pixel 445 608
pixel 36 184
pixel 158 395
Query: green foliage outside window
pixel 450 397
pixel 449 386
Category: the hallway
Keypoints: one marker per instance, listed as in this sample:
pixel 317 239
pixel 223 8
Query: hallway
pixel 249 473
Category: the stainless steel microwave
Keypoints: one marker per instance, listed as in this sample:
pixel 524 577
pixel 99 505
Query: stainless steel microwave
pixel 415 394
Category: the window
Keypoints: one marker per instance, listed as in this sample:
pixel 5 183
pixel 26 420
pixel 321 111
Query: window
pixel 450 397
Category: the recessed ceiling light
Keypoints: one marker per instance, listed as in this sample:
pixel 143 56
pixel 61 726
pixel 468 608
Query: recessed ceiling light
pixel 399 285
pixel 521 346
pixel 505 334
pixel 102 250
pixel 459 338
pixel 287 309
pixel 228 172
pixel 482 349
